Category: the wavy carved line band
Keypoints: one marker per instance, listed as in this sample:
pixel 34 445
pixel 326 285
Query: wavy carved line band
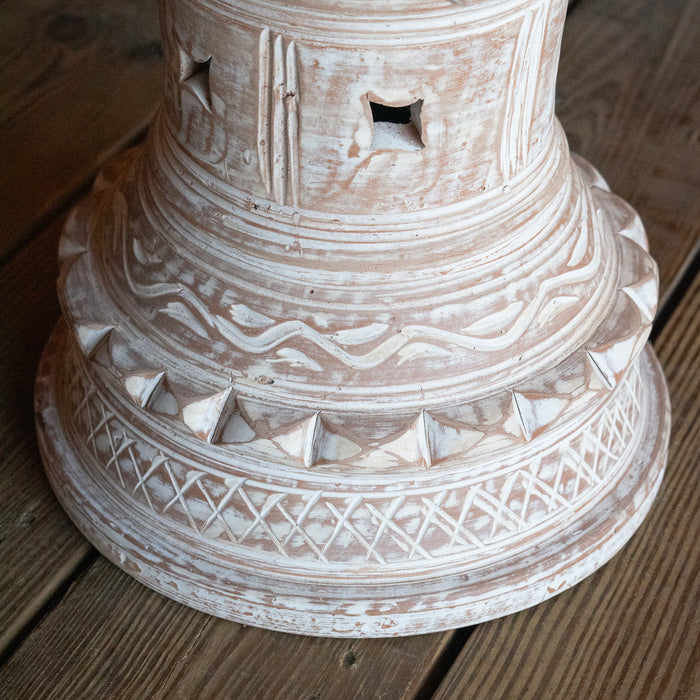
pixel 279 334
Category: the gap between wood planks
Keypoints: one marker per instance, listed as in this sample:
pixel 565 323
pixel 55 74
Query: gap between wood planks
pixel 676 291
pixel 444 662
pixel 81 190
pixel 11 639
pixel 78 81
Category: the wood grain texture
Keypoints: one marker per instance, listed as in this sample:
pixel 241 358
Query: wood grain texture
pixel 39 547
pixel 112 637
pixel 632 630
pixel 628 99
pixel 78 81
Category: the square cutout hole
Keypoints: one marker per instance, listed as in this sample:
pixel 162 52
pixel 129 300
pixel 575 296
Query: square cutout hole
pixel 195 75
pixel 396 127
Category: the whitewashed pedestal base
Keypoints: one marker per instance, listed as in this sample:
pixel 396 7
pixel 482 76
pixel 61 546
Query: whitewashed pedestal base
pixel 222 579
pixel 352 347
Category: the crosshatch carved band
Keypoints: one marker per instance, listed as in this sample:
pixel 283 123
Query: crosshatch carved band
pixel 352 527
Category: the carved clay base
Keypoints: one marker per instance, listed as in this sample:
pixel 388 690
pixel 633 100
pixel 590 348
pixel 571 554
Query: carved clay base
pixel 150 525
pixel 353 345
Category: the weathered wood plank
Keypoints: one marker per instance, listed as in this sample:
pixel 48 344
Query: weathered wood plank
pixel 39 547
pixel 632 630
pixel 629 100
pixel 78 81
pixel 112 637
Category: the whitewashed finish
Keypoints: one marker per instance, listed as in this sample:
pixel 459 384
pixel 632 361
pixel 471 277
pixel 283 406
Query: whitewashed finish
pixel 344 377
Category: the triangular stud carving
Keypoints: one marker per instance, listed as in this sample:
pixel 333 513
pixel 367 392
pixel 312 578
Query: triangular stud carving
pixel 413 446
pixel 536 413
pixel 143 388
pixel 236 430
pixel 74 239
pixel 428 441
pixel 312 442
pixel 208 418
pixel 163 400
pixel 644 294
pixel 304 440
pixel 610 362
pixel 632 228
pixel 602 371
pixel 69 248
pixel 68 254
pixel 91 336
pixel 195 75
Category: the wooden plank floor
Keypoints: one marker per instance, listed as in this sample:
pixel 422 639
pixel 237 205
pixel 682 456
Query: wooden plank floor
pixel 80 79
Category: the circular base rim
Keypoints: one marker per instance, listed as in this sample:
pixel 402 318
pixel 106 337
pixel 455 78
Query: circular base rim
pixel 193 573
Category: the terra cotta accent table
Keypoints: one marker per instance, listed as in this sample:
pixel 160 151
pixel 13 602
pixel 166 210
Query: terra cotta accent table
pixel 353 346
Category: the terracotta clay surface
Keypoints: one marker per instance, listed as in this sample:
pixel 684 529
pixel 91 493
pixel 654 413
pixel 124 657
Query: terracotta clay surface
pixel 353 346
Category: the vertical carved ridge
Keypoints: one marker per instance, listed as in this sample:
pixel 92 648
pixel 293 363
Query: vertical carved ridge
pixel 312 441
pixel 292 105
pixel 522 91
pixel 509 126
pixel 279 119
pixel 518 412
pixel 533 57
pixel 91 336
pixel 423 439
pixel 264 94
